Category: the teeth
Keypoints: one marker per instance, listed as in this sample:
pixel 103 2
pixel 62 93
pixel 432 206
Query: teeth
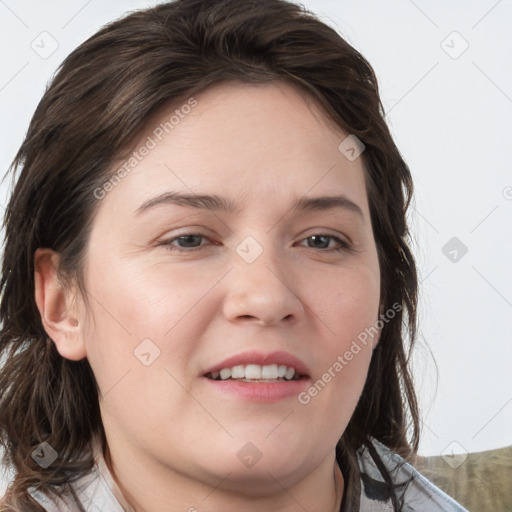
pixel 269 372
pixel 256 372
pixel 253 371
pixel 225 373
pixel 290 372
pixel 238 372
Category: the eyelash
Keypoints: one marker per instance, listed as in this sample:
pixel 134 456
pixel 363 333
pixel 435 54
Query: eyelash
pixel 344 246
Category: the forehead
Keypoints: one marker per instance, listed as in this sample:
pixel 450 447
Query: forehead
pixel 244 141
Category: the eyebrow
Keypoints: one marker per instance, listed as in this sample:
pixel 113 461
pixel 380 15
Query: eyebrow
pixel 223 204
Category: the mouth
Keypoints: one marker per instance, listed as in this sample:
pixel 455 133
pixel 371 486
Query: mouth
pixel 258 377
pixel 256 373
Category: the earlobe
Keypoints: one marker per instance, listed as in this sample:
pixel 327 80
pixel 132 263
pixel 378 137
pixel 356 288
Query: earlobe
pixel 59 315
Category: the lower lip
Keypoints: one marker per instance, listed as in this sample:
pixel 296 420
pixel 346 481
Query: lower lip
pixel 260 391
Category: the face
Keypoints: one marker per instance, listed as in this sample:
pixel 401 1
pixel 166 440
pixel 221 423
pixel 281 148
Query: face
pixel 262 276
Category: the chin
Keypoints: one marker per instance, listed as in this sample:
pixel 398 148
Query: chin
pixel 264 478
pixel 259 462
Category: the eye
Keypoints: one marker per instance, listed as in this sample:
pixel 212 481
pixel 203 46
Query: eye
pixel 187 241
pixel 322 242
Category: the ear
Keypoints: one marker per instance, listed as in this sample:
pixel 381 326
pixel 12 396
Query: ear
pixel 58 309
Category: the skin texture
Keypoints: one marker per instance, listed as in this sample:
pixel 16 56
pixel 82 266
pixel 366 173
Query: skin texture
pixel 172 438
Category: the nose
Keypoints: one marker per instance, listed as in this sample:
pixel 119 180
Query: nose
pixel 261 293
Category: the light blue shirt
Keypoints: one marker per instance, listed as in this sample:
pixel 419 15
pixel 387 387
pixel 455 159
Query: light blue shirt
pixel 420 495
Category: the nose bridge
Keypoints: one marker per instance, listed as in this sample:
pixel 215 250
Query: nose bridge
pixel 259 286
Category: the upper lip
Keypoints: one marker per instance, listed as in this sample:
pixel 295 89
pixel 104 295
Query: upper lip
pixel 263 359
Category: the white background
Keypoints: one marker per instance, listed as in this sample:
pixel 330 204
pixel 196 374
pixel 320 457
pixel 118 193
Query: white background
pixel 452 121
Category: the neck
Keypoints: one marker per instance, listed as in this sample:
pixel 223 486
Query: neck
pixel 319 491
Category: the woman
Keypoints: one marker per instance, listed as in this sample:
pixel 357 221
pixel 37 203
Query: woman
pixel 207 284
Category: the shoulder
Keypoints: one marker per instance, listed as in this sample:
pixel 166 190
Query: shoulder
pixel 416 492
pixel 91 491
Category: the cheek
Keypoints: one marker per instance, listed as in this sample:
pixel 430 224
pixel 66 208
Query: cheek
pixel 348 311
pixel 147 312
pixel 149 300
pixel 138 349
pixel 348 305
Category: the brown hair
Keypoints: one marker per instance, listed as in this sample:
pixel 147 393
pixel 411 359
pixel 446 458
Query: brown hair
pixel 102 96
